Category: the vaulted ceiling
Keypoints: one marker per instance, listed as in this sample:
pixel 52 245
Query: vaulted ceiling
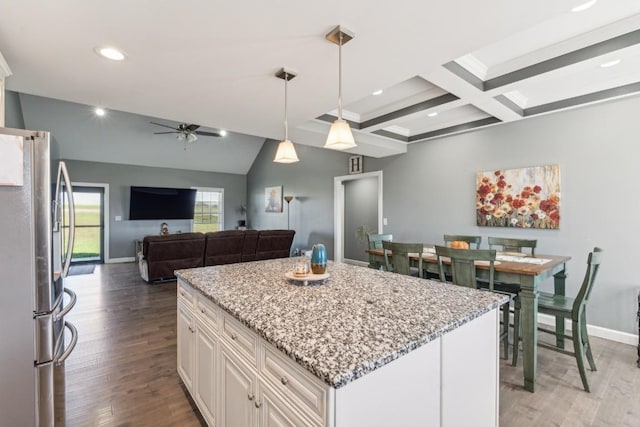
pixel 444 67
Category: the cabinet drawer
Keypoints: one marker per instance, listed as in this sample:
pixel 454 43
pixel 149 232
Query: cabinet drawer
pixel 207 313
pixel 186 295
pixel 298 385
pixel 240 338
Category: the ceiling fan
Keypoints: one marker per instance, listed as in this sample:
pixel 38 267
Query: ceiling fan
pixel 188 132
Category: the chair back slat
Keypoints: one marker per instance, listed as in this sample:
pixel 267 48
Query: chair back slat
pixel 375 242
pixel 475 240
pixel 463 267
pixel 513 245
pixel 593 265
pixel 400 262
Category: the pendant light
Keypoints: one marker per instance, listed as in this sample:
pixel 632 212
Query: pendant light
pixel 286 151
pixel 340 136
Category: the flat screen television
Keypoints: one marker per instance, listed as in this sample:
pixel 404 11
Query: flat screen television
pixel 161 203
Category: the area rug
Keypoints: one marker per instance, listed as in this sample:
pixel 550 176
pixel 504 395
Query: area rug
pixel 77 270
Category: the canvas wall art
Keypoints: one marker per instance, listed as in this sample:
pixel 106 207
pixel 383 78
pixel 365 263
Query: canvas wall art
pixel 522 198
pixel 273 199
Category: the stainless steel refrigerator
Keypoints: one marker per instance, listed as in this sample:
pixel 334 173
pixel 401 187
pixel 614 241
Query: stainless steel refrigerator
pixel 33 265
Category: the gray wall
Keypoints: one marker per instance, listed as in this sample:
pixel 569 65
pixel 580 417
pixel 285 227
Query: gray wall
pixel 431 191
pixel 13 111
pixel 360 209
pixel 120 178
pixel 310 180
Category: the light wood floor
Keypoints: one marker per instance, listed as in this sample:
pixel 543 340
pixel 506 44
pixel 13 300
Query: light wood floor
pixel 123 370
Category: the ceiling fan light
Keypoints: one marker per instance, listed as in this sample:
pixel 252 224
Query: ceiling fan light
pixel 340 136
pixel 286 153
pixel 191 137
pixel 181 137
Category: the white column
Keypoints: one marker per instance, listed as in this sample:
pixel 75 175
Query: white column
pixel 4 73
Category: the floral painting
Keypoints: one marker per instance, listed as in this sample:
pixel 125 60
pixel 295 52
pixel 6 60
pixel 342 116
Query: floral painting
pixel 523 198
pixel 273 199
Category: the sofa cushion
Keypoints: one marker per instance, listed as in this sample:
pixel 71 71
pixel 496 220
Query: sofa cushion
pixel 224 247
pixel 274 244
pixel 250 243
pixel 164 254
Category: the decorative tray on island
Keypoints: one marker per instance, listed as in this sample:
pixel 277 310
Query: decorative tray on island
pixel 305 279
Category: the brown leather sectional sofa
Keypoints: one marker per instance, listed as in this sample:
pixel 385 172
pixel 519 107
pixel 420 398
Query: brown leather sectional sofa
pixel 162 255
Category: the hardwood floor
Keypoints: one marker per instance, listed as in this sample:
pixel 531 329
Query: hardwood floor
pixel 123 370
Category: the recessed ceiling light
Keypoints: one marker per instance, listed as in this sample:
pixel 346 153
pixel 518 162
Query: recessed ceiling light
pixel 435 113
pixel 584 6
pixel 99 111
pixel 223 132
pixel 610 63
pixel 378 92
pixel 110 53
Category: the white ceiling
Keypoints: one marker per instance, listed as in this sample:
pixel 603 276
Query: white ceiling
pixel 213 63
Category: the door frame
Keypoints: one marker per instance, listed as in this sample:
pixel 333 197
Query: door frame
pixel 105 214
pixel 338 209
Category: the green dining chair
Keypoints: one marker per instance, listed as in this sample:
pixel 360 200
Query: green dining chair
pixel 463 273
pixel 505 244
pixel 568 308
pixel 375 242
pixel 471 240
pixel 400 262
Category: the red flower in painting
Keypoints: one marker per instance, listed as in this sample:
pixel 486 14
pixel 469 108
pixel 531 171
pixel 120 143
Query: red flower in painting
pixel 502 183
pixel 555 216
pixel 497 173
pixel 483 190
pixel 537 189
pixel 517 203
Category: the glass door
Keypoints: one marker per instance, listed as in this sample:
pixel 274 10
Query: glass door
pixel 89 232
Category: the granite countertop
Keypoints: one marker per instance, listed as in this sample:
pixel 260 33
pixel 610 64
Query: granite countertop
pixel 356 322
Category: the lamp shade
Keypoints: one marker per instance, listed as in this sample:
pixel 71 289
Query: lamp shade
pixel 340 136
pixel 286 153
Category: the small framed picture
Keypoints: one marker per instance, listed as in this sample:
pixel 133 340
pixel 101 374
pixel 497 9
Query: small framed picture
pixel 273 199
pixel 355 164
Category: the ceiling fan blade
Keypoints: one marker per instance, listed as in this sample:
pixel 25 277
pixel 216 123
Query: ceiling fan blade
pixel 191 128
pixel 160 124
pixel 216 134
pixel 161 133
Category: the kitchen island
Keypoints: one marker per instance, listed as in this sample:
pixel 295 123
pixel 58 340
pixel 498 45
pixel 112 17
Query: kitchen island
pixel 366 347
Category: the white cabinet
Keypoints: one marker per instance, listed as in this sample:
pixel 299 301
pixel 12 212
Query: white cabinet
pixel 238 389
pixel 186 330
pixel 239 380
pixel 274 412
pixel 206 355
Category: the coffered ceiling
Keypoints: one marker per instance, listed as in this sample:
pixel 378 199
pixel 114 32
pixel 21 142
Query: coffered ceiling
pixel 444 67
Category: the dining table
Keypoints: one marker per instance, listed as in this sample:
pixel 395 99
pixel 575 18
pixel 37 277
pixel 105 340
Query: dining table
pixel 525 270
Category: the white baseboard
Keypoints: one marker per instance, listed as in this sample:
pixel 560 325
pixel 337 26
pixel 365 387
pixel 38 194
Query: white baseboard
pixel 355 262
pixel 596 331
pixel 118 260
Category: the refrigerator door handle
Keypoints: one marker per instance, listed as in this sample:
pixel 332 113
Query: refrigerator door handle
pixel 74 340
pixel 64 174
pixel 67 308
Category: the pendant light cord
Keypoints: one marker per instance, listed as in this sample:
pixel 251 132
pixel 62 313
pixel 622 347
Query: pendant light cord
pixel 286 126
pixel 340 78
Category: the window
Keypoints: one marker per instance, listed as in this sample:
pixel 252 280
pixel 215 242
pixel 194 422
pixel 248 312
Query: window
pixel 209 209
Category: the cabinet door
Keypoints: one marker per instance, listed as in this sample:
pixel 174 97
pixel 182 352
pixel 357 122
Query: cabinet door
pixel 205 372
pixel 185 345
pixel 237 391
pixel 275 413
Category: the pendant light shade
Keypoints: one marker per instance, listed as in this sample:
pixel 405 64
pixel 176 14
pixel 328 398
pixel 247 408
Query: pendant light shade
pixel 286 152
pixel 340 136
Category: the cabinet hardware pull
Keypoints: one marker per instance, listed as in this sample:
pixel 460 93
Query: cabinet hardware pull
pixel 250 396
pixel 258 404
pixel 202 310
pixel 284 380
pixel 233 336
